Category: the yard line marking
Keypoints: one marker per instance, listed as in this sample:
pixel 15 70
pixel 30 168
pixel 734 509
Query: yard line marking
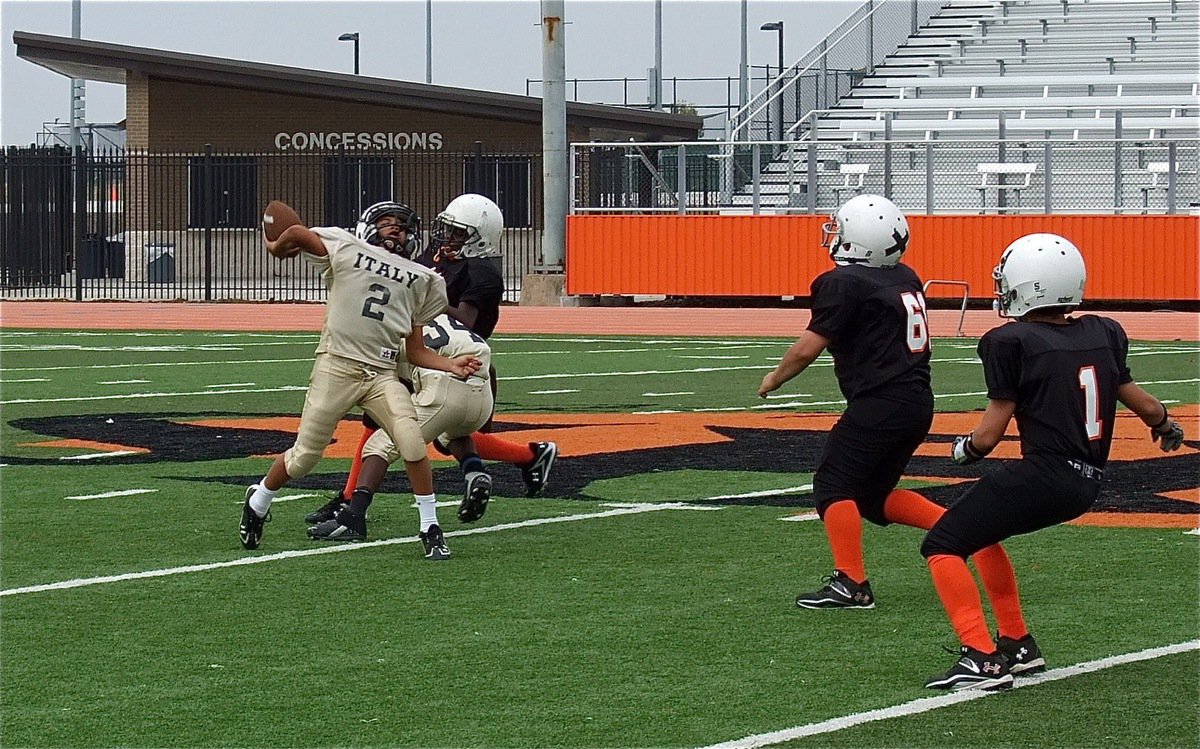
pixel 551 392
pixel 1171 382
pixel 801 518
pixel 616 511
pixel 925 704
pixel 134 396
pixel 708 356
pixel 154 364
pixel 767 492
pixel 31 379
pixel 233 385
pixel 123 382
pixel 93 456
pixel 106 495
pixel 662 395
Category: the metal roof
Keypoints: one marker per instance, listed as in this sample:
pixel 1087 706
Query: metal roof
pixel 109 63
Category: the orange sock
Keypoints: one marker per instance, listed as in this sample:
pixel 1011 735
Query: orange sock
pixel 960 598
pixel 843 526
pixel 491 447
pixel 1000 582
pixel 356 464
pixel 909 508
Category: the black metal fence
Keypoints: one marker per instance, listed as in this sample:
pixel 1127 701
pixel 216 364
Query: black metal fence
pixel 129 225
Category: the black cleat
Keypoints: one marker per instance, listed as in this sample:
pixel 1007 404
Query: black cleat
pixel 328 510
pixel 475 500
pixel 435 543
pixel 1023 655
pixel 251 529
pixel 974 670
pixel 537 472
pixel 840 592
pixel 346 526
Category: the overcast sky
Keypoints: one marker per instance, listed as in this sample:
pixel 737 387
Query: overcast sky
pixel 485 44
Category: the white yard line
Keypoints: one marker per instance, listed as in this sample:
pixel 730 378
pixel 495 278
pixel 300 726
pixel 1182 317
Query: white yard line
pixel 123 382
pixel 122 493
pixel 138 396
pixel 551 392
pixel 223 363
pixel 335 548
pixel 93 456
pixel 925 704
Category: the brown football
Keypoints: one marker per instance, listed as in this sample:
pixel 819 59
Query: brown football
pixel 278 216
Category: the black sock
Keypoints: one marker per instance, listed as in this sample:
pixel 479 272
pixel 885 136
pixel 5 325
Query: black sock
pixel 360 501
pixel 471 464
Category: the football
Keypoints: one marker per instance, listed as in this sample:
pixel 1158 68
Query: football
pixel 276 217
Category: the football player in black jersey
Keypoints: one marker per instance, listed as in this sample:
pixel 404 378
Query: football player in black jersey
pixel 464 239
pixel 869 312
pixel 1061 378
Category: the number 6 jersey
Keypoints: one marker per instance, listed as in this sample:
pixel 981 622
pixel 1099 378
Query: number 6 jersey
pixel 876 324
pixel 1065 380
pixel 375 299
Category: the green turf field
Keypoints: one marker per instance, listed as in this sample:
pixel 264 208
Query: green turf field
pixel 644 601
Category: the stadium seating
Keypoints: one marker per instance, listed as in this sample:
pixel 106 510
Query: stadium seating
pixel 998 73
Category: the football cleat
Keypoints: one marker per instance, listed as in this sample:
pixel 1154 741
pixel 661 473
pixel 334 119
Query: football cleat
pixel 475 500
pixel 328 510
pixel 839 592
pixel 974 670
pixel 1023 655
pixel 251 528
pixel 347 526
pixel 537 472
pixel 435 543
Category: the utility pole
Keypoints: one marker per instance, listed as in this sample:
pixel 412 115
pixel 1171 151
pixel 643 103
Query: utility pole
pixel 77 109
pixel 658 76
pixel 744 68
pixel 555 188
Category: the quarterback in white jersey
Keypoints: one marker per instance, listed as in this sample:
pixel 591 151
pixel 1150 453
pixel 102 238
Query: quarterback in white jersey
pixel 378 303
pixel 449 409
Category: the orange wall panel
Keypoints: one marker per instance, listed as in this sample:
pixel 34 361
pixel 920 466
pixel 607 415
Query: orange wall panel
pixel 1128 257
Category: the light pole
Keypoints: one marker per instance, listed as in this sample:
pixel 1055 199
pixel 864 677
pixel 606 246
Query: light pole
pixel 778 26
pixel 353 37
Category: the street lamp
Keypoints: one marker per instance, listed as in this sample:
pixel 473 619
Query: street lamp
pixel 778 26
pixel 353 37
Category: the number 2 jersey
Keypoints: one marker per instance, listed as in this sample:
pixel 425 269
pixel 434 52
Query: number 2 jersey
pixel 878 336
pixel 1064 379
pixel 375 299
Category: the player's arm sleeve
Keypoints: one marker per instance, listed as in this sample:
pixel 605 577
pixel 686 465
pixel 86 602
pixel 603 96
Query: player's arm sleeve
pixel 432 302
pixel 1001 358
pixel 1120 343
pixel 834 307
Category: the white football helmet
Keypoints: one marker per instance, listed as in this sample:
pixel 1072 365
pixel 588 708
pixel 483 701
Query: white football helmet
pixel 1037 271
pixel 479 217
pixel 867 229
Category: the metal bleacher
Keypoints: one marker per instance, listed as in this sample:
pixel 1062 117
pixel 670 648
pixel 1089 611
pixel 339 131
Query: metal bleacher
pixel 1004 78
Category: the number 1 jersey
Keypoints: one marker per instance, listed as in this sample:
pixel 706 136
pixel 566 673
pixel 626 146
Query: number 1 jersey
pixel 1064 379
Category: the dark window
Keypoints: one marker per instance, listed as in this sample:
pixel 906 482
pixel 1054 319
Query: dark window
pixel 227 196
pixel 504 179
pixel 352 184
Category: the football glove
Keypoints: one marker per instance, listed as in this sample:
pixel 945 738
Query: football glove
pixel 965 452
pixel 1169 436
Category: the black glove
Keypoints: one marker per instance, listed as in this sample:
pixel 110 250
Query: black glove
pixel 1169 436
pixel 964 451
